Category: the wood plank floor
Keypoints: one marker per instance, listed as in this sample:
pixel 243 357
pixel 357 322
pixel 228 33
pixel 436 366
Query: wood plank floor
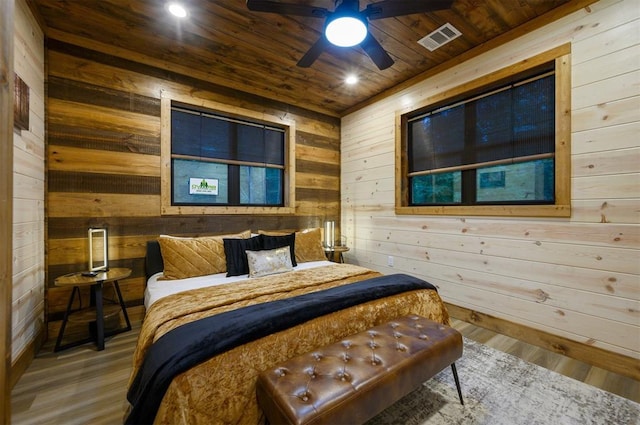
pixel 84 386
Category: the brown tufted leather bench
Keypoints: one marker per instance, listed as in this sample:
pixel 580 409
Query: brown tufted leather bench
pixel 352 380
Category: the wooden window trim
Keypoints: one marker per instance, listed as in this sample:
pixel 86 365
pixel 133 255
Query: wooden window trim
pixel 165 158
pixel 562 206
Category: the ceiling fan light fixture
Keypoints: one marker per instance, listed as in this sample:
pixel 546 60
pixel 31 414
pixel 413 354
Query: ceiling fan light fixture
pixel 346 25
pixel 176 9
pixel 345 31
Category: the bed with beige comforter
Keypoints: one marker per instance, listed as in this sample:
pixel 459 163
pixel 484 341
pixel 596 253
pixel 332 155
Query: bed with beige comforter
pixel 221 389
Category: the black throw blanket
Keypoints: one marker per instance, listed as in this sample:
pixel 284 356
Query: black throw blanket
pixel 193 343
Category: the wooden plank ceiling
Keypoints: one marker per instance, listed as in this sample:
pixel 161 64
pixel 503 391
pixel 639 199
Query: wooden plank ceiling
pixel 221 41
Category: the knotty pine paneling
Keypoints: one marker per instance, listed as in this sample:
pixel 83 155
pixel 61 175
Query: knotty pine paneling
pixel 103 157
pixel 606 66
pixel 621 161
pixel 607 90
pixel 28 226
pixel 607 211
pixel 605 138
pixel 576 277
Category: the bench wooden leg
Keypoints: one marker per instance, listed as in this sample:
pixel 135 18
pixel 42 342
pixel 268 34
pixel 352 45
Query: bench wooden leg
pixel 455 376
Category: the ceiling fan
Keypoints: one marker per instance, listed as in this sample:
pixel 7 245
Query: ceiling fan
pixel 347 25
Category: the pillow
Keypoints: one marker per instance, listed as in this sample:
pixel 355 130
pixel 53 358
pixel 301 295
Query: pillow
pixel 309 245
pixel 235 251
pixel 272 242
pixel 269 261
pixel 190 257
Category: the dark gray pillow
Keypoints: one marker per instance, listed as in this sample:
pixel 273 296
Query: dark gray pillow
pixel 273 242
pixel 236 256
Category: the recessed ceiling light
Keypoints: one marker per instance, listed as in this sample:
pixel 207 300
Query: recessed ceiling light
pixel 177 9
pixel 351 79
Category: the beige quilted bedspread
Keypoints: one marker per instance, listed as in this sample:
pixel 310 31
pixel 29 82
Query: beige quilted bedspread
pixel 222 389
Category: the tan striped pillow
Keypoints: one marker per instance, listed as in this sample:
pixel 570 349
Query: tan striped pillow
pixel 191 257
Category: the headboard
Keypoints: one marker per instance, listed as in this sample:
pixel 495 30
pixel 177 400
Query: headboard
pixel 153 259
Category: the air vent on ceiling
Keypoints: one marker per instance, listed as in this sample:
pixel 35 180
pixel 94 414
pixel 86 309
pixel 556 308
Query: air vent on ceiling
pixel 439 37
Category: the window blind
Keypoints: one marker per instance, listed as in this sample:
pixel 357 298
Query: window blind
pixel 512 122
pixel 206 136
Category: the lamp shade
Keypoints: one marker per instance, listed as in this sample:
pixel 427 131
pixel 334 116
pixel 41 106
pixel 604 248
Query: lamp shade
pixel 329 234
pixel 345 31
pixel 98 250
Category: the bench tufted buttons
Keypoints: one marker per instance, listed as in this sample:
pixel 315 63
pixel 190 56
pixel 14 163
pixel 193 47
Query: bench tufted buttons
pixel 373 345
pixel 281 372
pixel 423 337
pixel 346 357
pixel 317 356
pixel 304 396
pixel 401 347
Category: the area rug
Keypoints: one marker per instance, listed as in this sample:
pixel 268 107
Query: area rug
pixel 501 389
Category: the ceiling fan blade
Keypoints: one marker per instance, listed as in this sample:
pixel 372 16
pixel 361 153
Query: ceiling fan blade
pixel 374 49
pixel 287 8
pixel 390 8
pixel 313 53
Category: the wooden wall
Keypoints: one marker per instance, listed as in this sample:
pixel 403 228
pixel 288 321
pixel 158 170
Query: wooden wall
pixel 6 200
pixel 103 156
pixel 576 278
pixel 28 192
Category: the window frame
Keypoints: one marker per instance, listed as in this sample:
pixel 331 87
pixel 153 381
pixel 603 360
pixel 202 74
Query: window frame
pixel 561 56
pixel 166 176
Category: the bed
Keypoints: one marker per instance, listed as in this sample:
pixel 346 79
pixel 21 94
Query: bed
pixel 205 338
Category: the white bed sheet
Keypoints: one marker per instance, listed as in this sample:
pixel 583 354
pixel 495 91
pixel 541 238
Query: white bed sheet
pixel 157 289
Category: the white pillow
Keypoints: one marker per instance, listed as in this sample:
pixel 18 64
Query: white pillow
pixel 270 261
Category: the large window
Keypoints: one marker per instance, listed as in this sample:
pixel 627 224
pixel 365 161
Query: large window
pixel 219 160
pixel 497 148
pixel 222 162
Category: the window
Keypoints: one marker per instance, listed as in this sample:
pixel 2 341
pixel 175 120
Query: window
pixel 220 161
pixel 499 147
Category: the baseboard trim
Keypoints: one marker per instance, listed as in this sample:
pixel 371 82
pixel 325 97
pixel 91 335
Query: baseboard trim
pixel 26 357
pixel 608 360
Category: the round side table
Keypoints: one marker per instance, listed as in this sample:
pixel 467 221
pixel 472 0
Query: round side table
pixel 331 252
pixel 96 310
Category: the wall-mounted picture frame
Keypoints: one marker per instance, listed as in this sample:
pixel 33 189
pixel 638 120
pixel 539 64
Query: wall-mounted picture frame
pixel 21 104
pixel 98 250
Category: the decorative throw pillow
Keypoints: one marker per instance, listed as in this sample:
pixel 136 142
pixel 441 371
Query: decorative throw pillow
pixel 269 261
pixel 191 257
pixel 308 244
pixel 272 242
pixel 235 251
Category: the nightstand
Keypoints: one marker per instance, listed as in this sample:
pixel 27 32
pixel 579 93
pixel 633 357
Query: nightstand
pixel 331 252
pixel 96 310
